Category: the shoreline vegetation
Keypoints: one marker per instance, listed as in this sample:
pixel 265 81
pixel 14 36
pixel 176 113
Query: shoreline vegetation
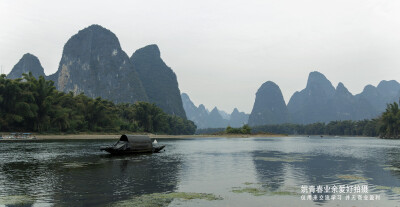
pixel 229 132
pixel 34 105
pixel 152 136
pixel 386 126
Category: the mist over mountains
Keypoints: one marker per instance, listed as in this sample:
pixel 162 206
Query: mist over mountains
pixel 214 119
pixel 94 63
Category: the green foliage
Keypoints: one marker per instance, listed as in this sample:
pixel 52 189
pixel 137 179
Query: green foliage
pixel 211 131
pixel 245 129
pixel 390 122
pixel 150 118
pixel 34 105
pixel 179 125
pixel 341 128
pixel 385 126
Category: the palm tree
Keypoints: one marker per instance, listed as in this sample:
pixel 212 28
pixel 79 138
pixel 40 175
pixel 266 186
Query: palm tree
pixel 390 121
pixel 43 92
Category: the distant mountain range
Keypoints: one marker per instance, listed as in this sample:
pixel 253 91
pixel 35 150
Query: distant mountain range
pixel 214 119
pixel 321 102
pixel 93 63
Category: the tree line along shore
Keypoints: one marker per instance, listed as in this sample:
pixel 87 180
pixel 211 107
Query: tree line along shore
pixel 34 105
pixel 387 125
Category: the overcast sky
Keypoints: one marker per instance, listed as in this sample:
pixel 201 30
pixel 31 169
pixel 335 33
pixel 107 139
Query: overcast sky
pixel 222 51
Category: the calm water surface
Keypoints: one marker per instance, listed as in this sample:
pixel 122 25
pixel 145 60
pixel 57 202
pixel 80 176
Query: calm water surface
pixel 77 173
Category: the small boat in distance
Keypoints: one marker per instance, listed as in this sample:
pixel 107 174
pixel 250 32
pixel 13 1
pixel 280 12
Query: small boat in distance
pixel 133 144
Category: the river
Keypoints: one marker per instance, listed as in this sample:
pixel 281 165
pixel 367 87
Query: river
pixel 274 171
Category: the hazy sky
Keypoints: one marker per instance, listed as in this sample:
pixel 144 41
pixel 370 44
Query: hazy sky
pixel 222 51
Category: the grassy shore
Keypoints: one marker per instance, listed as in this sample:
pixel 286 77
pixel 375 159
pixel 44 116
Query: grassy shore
pixel 156 136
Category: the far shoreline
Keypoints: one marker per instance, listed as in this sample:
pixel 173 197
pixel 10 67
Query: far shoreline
pixel 152 136
pixel 105 136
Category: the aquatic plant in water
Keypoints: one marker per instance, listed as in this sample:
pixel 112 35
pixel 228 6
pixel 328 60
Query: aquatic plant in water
pixel 284 193
pixel 391 168
pixel 259 191
pixel 281 159
pixel 164 199
pixel 249 183
pixel 352 177
pixel 379 187
pixel 252 191
pixel 396 190
pixel 16 200
pixel 393 189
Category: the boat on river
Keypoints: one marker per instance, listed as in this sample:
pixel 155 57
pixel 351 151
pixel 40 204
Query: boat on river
pixel 133 144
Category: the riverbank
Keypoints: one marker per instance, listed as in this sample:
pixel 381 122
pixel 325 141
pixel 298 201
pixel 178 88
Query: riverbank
pixel 157 136
pixel 154 136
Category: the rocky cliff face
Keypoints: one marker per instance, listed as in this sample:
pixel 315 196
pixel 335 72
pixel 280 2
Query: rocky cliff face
pixel 188 106
pixel 345 106
pixel 238 119
pixel 215 119
pixel 309 105
pixel 269 106
pixel 320 102
pixel 386 92
pixel 196 114
pixel 28 63
pixel 159 81
pixel 388 89
pixel 201 117
pixel 94 63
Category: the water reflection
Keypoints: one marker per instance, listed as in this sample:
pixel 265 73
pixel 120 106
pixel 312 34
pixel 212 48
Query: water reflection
pixel 309 165
pixel 76 173
pixel 90 179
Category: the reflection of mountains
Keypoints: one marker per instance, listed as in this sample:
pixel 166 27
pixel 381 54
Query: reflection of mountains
pixel 90 180
pixel 392 168
pixel 276 169
pixel 111 179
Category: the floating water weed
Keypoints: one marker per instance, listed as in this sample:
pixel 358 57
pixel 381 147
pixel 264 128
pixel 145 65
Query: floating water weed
pixel 164 199
pixel 379 187
pixel 253 191
pixel 392 168
pixel 352 177
pixel 281 159
pixel 16 200
pixel 396 190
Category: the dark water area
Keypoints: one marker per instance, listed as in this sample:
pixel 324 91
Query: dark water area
pixel 239 171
